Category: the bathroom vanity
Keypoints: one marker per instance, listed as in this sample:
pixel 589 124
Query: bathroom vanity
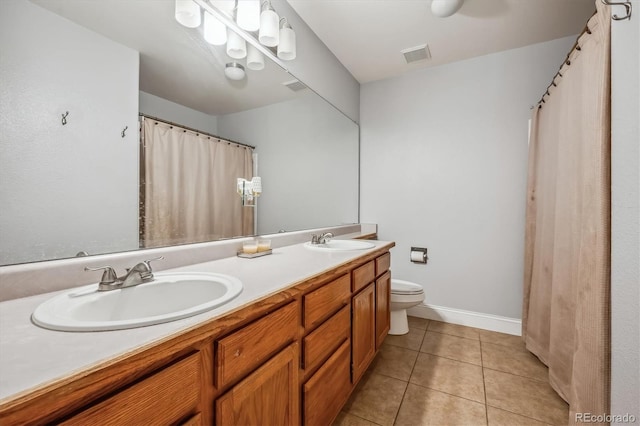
pixel 289 350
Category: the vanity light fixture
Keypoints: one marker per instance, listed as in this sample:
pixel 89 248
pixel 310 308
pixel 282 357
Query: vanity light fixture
pixel 269 34
pixel 255 58
pixel 445 8
pixel 187 13
pixel 236 45
pixel 249 190
pixel 215 32
pixel 248 15
pixel 234 71
pixel 287 45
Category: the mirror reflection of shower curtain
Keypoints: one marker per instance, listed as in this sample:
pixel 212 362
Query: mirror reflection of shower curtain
pixel 190 186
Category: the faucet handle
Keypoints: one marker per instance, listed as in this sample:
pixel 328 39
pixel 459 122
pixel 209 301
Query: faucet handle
pixel 148 262
pixel 109 275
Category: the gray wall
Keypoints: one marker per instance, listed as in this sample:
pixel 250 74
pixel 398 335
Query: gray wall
pixel 444 164
pixel 59 182
pixel 625 251
pixel 307 158
pixel 161 108
pixel 318 68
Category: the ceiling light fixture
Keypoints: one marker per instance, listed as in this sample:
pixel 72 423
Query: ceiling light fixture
pixel 445 8
pixel 188 13
pixel 234 71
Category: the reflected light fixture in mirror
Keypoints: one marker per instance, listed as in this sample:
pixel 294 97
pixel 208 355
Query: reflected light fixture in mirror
pixel 236 45
pixel 269 34
pixel 215 32
pixel 188 13
pixel 287 45
pixel 255 58
pixel 234 71
pixel 248 15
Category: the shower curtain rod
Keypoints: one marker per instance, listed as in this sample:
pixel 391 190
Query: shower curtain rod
pixel 199 132
pixel 576 46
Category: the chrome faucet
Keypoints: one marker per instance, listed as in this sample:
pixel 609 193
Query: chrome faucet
pixel 140 273
pixel 322 238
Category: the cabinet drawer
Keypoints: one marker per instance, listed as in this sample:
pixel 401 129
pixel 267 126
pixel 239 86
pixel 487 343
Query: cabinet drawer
pixel 323 302
pixel 325 392
pixel 163 398
pixel 247 348
pixel 383 263
pixel 326 338
pixel 363 275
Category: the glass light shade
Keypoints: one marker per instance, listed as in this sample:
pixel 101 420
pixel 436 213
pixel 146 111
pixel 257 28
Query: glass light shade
pixel 269 34
pixel 445 8
pixel 287 45
pixel 234 71
pixel 255 58
pixel 225 6
pixel 236 45
pixel 248 15
pixel 188 13
pixel 215 32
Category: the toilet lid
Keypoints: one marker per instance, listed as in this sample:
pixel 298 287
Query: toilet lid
pixel 405 287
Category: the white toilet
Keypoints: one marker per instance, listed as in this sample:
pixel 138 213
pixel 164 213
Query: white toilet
pixel 404 295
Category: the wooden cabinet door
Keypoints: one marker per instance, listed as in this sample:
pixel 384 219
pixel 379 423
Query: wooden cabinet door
pixel 268 396
pixel 383 314
pixel 363 330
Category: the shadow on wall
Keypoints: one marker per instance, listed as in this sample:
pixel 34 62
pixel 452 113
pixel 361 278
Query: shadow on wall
pixel 484 8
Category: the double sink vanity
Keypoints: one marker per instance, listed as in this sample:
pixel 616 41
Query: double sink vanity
pixel 283 339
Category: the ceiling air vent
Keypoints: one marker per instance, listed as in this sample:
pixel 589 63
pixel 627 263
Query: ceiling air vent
pixel 295 85
pixel 418 53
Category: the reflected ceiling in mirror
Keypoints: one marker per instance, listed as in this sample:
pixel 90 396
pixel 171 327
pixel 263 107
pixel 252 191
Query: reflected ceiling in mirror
pixel 73 187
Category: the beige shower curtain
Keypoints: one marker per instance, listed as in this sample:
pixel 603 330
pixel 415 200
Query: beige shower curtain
pixel 190 186
pixel 567 264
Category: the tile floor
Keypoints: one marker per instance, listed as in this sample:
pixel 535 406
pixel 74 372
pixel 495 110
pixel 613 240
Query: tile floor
pixel 446 374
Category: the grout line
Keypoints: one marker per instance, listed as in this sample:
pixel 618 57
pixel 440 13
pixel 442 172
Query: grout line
pixel 455 335
pixel 484 386
pixel 447 393
pixel 362 418
pixel 453 359
pixel 520 414
pixel 409 381
pixel 517 375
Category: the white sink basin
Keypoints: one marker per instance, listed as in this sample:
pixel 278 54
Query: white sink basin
pixel 171 296
pixel 340 245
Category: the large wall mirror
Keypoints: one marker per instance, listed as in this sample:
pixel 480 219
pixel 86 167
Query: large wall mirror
pixel 75 76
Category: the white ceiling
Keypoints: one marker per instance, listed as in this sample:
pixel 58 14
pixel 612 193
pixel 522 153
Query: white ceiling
pixel 368 35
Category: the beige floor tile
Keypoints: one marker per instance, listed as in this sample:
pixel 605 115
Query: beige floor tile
pixel 376 398
pixel 394 361
pixel 454 347
pixel 499 417
pixel 514 360
pixel 530 398
pixel 346 419
pixel 501 338
pixel 454 329
pixel 446 375
pixel 411 340
pixel 419 323
pixel 422 406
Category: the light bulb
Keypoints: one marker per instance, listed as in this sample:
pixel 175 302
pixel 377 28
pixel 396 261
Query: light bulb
pixel 236 45
pixel 287 46
pixel 255 58
pixel 269 34
pixel 248 15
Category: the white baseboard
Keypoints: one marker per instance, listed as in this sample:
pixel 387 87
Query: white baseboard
pixel 468 318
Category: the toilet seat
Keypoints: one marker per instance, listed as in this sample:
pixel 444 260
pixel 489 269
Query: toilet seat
pixel 405 287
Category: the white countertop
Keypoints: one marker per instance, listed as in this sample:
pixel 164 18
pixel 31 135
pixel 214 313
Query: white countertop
pixel 31 357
